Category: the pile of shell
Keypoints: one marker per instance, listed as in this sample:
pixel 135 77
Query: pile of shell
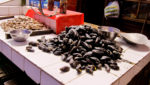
pixel 22 22
pixel 84 48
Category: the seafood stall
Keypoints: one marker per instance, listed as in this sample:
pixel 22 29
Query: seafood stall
pixel 71 52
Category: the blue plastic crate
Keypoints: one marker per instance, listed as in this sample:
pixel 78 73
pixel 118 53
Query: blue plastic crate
pixel 35 3
pixel 45 4
pixel 57 3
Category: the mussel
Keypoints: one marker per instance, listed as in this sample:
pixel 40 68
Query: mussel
pixel 84 48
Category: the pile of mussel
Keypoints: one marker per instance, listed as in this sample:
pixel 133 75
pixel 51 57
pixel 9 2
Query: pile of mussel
pixel 84 48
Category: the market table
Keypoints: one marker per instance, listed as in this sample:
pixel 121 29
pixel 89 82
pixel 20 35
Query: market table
pixel 43 68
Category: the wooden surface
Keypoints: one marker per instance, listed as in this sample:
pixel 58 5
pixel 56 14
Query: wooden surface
pixel 136 20
pixel 93 25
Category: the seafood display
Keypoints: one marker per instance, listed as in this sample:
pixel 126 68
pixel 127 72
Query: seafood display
pixel 22 22
pixel 84 48
pixel 29 49
pixel 64 69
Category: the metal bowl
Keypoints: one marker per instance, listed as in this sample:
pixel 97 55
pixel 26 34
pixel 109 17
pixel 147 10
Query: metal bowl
pixel 111 32
pixel 135 38
pixel 20 35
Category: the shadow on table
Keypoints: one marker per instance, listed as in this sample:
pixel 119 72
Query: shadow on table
pixel 140 47
pixel 14 43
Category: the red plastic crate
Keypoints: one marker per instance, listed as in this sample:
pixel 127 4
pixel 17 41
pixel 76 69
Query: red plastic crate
pixel 59 21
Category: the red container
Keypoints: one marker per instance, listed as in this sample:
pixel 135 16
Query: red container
pixel 59 21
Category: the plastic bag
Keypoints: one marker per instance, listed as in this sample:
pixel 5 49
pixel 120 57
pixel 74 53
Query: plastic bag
pixel 112 10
